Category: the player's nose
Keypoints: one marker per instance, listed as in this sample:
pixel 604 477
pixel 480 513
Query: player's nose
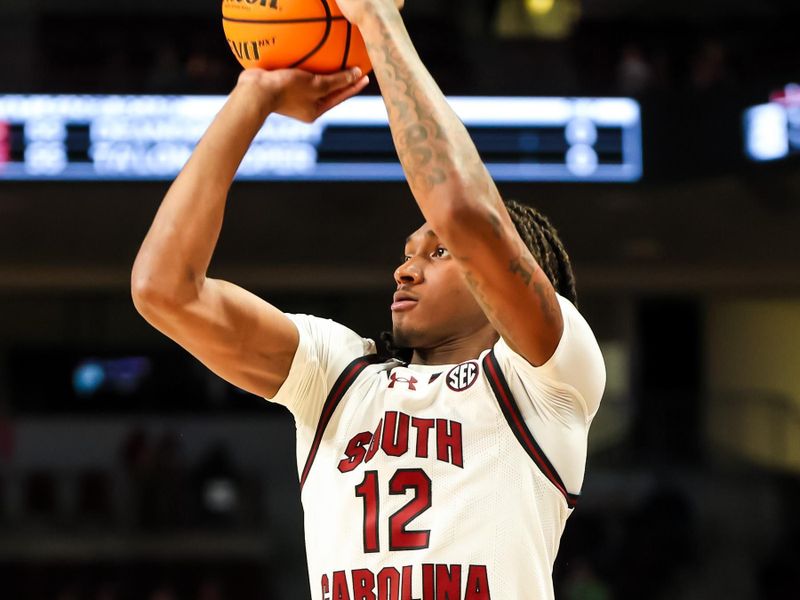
pixel 409 272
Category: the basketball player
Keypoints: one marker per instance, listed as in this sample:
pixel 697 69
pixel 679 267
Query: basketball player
pixel 450 474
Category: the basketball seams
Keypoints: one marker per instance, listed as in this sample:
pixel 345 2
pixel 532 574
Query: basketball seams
pixel 279 21
pixel 328 24
pixel 347 45
pixel 280 47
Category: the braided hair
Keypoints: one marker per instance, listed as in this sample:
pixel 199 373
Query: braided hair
pixel 541 238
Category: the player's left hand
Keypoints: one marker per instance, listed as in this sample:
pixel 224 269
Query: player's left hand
pixel 300 94
pixel 355 10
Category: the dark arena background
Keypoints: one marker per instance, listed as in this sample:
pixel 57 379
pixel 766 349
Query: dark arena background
pixel 130 472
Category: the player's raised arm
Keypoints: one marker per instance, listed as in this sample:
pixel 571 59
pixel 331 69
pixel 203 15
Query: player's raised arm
pixel 455 191
pixel 237 335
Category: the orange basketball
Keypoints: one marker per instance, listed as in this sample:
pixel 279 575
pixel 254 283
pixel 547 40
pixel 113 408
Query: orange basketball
pixel 307 34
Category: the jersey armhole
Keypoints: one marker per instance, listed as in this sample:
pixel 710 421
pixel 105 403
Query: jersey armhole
pixel 343 383
pixel 513 415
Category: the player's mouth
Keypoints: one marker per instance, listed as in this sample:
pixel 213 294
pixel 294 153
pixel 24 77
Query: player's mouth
pixel 403 301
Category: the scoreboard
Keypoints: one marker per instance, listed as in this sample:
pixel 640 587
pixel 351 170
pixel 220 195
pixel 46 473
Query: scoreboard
pixel 70 137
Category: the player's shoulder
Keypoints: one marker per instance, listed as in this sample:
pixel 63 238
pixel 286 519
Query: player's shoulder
pixel 576 367
pixel 325 331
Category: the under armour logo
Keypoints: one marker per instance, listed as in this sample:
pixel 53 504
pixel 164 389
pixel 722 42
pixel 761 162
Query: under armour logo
pixel 410 381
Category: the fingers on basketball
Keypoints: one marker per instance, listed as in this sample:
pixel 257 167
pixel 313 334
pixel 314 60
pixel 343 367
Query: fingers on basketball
pixel 306 34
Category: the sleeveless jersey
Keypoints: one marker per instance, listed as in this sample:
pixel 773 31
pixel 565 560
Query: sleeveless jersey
pixel 438 482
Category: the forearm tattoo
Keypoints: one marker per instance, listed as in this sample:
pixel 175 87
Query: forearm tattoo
pixel 525 267
pixel 430 142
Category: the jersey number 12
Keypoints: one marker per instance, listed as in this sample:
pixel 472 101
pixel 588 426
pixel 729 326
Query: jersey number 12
pixel 400 538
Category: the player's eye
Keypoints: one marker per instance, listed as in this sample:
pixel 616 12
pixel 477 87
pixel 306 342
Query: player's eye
pixel 406 258
pixel 440 252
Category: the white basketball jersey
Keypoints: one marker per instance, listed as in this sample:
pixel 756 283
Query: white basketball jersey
pixel 431 482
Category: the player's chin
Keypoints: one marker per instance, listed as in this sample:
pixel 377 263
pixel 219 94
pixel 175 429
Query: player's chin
pixel 406 331
pixel 400 325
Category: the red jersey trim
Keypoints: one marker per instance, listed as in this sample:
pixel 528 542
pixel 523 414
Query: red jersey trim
pixel 511 412
pixel 339 389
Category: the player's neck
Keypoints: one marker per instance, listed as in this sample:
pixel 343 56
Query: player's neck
pixel 456 350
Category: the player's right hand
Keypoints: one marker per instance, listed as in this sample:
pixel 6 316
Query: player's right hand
pixel 300 94
pixel 356 10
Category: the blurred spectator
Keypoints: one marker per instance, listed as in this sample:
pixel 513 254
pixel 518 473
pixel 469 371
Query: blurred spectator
pixel 218 488
pixel 137 459
pixel 709 66
pixel 157 477
pixel 163 494
pixel 95 503
pixel 662 69
pixel 41 495
pixel 634 72
pixel 135 453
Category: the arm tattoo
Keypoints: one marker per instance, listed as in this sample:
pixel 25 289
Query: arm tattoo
pixel 548 302
pixel 525 271
pixel 496 225
pixel 546 293
pixel 424 148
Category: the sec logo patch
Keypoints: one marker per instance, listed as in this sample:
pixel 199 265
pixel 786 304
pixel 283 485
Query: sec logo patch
pixel 462 376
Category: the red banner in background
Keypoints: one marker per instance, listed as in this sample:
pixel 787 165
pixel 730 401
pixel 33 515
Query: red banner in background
pixel 5 143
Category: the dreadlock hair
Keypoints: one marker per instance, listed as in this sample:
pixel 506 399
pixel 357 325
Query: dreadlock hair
pixel 541 238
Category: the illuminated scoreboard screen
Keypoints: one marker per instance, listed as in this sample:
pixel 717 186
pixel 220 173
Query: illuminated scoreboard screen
pixel 150 138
